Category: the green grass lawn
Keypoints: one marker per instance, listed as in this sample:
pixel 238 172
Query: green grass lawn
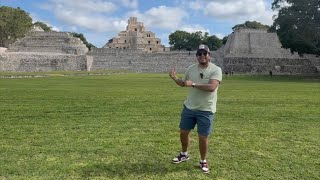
pixel 125 126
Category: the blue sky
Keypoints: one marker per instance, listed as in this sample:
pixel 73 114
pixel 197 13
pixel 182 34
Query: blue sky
pixel 101 20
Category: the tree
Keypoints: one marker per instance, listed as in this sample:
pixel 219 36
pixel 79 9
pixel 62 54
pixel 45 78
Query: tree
pixel 190 41
pixel 14 24
pixel 213 42
pixel 196 38
pixel 83 39
pixel 224 40
pixel 43 26
pixel 179 40
pixel 298 25
pixel 251 25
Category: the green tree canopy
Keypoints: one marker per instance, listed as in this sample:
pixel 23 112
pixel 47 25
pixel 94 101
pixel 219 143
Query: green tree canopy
pixel 14 24
pixel 213 42
pixel 196 38
pixel 224 40
pixel 190 41
pixel 44 26
pixel 83 39
pixel 251 25
pixel 179 40
pixel 298 25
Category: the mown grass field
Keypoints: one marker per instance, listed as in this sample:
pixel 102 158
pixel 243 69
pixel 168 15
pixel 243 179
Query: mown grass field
pixel 125 126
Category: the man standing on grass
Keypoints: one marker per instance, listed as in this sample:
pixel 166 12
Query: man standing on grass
pixel 203 79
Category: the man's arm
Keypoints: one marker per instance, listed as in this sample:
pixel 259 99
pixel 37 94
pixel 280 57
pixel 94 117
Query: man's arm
pixel 173 76
pixel 179 81
pixel 210 87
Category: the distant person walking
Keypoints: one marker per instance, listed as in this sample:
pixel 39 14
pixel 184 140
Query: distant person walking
pixel 203 79
pixel 270 73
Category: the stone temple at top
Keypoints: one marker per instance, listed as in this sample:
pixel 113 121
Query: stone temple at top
pixel 136 37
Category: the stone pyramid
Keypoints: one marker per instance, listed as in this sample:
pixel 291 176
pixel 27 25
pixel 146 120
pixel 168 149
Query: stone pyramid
pixel 49 42
pixel 259 52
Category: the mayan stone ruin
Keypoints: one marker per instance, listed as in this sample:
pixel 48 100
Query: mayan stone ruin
pixel 258 52
pixel 246 51
pixel 51 42
pixel 45 51
pixel 136 37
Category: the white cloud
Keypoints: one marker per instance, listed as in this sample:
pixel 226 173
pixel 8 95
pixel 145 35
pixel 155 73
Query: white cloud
pixel 54 28
pixel 97 23
pixel 193 28
pixel 239 11
pixel 219 35
pixel 84 6
pixel 265 18
pixel 74 28
pixel 130 3
pixel 86 14
pixel 232 9
pixel 36 18
pixel 196 5
pixel 164 38
pixel 164 17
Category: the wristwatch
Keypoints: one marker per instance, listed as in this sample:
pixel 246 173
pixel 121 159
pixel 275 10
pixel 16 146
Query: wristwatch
pixel 193 84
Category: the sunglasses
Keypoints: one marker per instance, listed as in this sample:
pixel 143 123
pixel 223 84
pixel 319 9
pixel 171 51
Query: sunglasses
pixel 201 75
pixel 202 53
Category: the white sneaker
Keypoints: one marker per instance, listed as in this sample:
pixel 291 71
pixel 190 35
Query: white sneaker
pixel 204 167
pixel 180 158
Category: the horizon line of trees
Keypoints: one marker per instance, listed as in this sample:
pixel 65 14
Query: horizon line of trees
pixel 297 26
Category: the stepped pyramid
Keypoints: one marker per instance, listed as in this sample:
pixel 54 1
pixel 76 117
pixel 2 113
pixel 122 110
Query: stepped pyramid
pixel 255 43
pixel 45 51
pixel 258 52
pixel 136 37
pixel 49 42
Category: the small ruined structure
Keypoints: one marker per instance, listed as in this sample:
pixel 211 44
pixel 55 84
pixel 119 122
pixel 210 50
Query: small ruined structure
pixel 136 37
pixel 259 52
pixel 37 29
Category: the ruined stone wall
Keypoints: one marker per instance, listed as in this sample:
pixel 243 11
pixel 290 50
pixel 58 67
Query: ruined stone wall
pixel 264 65
pixel 34 62
pixel 140 61
pixel 314 59
pixel 253 52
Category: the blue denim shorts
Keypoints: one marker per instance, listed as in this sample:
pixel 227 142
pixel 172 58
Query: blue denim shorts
pixel 203 119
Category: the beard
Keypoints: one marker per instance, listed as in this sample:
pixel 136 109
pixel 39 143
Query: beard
pixel 204 63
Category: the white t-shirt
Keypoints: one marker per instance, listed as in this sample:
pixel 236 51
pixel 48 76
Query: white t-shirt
pixel 199 99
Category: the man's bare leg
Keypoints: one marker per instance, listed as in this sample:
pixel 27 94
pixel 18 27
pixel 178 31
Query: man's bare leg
pixel 184 138
pixel 203 146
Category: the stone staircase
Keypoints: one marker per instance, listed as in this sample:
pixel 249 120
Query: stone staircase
pixel 50 42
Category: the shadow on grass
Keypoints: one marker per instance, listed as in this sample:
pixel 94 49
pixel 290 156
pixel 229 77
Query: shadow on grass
pixel 129 169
